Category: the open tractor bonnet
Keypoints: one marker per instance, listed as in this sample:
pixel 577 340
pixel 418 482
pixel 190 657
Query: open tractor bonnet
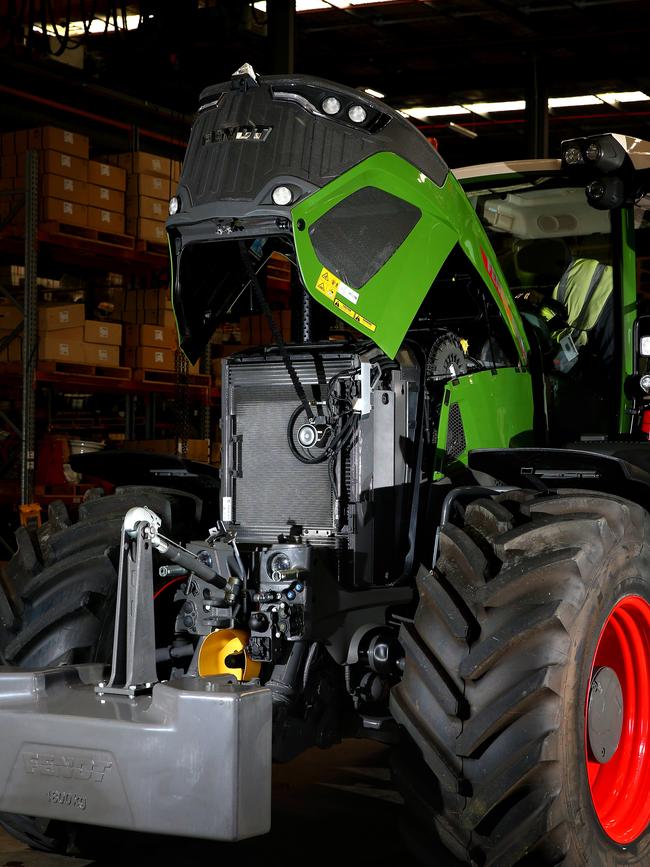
pixel 406 545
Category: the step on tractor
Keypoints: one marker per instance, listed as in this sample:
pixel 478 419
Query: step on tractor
pixel 430 526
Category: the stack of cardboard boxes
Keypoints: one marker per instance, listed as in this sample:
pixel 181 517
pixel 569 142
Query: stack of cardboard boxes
pixel 66 335
pixel 77 191
pixel 150 347
pixel 74 190
pixel 151 183
pixel 106 197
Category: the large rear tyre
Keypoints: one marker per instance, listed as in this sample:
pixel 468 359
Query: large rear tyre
pixel 59 603
pixel 527 687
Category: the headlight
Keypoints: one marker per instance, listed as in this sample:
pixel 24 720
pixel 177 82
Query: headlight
pixel 593 151
pixel 331 105
pixel 644 382
pixel 606 193
pixel 174 205
pixel 573 156
pixel 357 113
pixel 644 347
pixel 282 196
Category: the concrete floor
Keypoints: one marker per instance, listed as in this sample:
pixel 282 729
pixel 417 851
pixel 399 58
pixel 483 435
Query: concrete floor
pixel 333 807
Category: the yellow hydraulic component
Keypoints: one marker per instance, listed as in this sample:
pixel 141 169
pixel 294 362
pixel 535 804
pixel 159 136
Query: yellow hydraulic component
pixel 223 652
pixel 30 513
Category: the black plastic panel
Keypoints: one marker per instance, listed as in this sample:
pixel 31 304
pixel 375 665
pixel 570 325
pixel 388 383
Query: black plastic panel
pixel 359 235
pixel 242 140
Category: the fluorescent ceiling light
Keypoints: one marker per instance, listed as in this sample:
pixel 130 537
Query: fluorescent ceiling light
pixel 624 96
pixel 374 92
pixel 314 5
pixel 569 101
pixel 97 25
pixel 489 107
pixel 423 112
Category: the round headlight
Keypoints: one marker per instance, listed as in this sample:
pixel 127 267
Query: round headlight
pixel 174 205
pixel 572 156
pixel 282 195
pixel 596 190
pixel 644 382
pixel 277 565
pixel 357 113
pixel 593 152
pixel 331 105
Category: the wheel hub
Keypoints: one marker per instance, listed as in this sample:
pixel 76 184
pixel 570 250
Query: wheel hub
pixel 605 714
pixel 617 722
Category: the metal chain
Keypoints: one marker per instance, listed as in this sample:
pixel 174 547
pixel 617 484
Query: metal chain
pixel 182 402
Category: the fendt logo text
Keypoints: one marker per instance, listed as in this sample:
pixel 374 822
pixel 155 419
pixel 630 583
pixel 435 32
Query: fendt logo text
pixel 66 766
pixel 237 133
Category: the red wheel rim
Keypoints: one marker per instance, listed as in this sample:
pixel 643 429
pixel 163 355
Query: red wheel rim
pixel 620 789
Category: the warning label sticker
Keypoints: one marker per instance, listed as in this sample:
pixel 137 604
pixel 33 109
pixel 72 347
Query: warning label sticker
pixel 330 285
pixel 357 317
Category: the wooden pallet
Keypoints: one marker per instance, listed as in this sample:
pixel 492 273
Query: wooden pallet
pixel 169 377
pixel 96 371
pixel 65 230
pixel 151 247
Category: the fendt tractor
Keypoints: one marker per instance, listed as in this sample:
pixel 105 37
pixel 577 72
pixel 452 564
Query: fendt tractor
pixel 430 526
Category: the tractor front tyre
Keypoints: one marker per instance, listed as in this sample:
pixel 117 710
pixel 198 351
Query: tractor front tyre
pixel 526 687
pixel 58 605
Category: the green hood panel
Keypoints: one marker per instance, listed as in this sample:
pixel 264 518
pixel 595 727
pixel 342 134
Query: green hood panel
pixel 372 260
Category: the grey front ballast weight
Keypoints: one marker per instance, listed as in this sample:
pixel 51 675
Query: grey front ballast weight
pixel 188 756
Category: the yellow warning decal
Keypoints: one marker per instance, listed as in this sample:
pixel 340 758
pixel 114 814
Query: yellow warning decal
pixel 328 284
pixel 354 315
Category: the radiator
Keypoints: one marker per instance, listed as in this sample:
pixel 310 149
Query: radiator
pixel 265 489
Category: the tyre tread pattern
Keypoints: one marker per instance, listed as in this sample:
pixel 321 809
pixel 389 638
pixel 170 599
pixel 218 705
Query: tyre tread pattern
pixel 500 625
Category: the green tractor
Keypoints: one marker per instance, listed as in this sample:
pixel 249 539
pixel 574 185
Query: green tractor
pixel 431 523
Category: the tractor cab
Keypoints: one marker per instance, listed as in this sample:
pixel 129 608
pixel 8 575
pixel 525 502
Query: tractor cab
pixel 565 232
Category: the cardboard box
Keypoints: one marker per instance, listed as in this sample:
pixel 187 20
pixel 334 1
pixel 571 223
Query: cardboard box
pixel 149 230
pixel 10 317
pixel 148 185
pixel 53 138
pixel 153 358
pixel 96 353
pixel 168 319
pixel 70 335
pixel 102 332
pixel 50 347
pixel 106 175
pixel 106 198
pixel 60 187
pixel 105 221
pixel 69 166
pixel 63 211
pixel 146 207
pixel 157 299
pixel 143 163
pixel 150 335
pixel 63 316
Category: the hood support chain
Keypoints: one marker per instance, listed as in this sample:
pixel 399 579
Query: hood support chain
pixel 275 331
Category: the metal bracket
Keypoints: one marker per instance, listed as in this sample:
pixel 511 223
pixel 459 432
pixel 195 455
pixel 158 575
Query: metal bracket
pixel 133 668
